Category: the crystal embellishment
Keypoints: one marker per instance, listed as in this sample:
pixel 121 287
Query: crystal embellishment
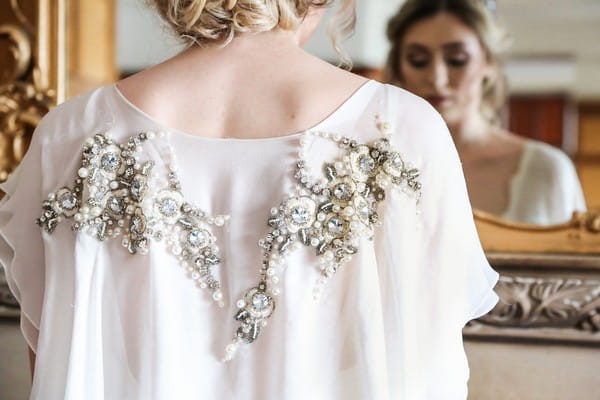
pixel 300 215
pixel 67 201
pixel 342 191
pixel 168 207
pixel 116 195
pixel 198 238
pixel 335 226
pixel 366 164
pixel 260 301
pixel 110 162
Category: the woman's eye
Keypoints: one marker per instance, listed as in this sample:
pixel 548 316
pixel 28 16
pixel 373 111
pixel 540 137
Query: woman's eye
pixel 418 62
pixel 457 61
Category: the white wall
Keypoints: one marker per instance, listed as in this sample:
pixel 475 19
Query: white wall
pixel 368 46
pixel 142 38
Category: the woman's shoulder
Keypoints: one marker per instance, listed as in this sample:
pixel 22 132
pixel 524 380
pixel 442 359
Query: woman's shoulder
pixel 413 113
pixel 547 160
pixel 418 127
pixel 77 116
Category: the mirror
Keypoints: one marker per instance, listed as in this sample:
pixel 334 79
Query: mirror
pixel 517 158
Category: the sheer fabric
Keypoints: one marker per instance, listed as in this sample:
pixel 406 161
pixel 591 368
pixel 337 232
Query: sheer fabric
pixel 545 190
pixel 106 324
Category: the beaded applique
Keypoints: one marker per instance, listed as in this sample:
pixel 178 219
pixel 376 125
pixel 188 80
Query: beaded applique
pixel 331 215
pixel 112 196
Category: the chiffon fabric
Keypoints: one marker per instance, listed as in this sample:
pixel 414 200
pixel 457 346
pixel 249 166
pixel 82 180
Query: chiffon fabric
pixel 545 190
pixel 106 324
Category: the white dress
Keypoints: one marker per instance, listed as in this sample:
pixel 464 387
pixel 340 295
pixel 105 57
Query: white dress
pixel 545 190
pixel 108 324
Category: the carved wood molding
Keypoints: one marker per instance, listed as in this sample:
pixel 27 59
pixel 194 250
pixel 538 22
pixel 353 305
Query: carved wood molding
pixel 543 297
pixel 544 302
pixel 580 235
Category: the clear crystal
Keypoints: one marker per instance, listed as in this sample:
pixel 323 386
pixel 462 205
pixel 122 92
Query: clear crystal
pixel 396 161
pixel 136 188
pixel 115 205
pixel 197 238
pixel 168 207
pixel 335 226
pixel 260 301
pixel 342 191
pixel 362 207
pixel 366 164
pixel 68 201
pixel 300 215
pixel 110 162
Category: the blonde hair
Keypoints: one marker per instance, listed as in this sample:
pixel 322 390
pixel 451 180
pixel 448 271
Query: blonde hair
pixel 475 15
pixel 201 22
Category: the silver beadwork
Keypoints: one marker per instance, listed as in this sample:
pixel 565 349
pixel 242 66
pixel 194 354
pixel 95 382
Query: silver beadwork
pixel 330 215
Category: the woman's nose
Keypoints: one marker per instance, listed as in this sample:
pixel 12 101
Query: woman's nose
pixel 437 75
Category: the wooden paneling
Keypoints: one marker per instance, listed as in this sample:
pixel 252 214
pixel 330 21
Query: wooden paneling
pixel 589 175
pixel 589 129
pixel 540 117
pixel 588 154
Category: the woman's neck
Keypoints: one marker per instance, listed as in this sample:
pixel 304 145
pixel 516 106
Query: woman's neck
pixel 471 131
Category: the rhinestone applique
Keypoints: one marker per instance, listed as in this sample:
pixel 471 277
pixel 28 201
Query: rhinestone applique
pixel 112 197
pixel 331 215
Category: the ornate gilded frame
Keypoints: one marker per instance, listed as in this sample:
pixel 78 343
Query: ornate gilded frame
pixel 33 74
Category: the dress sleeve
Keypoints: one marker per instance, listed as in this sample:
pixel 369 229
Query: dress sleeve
pixel 436 276
pixel 21 245
pixel 454 256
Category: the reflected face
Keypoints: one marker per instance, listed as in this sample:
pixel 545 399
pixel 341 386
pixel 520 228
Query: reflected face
pixel 443 61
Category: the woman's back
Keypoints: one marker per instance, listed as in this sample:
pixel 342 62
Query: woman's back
pixel 258 86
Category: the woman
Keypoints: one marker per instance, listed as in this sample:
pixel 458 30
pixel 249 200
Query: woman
pixel 448 52
pixel 207 162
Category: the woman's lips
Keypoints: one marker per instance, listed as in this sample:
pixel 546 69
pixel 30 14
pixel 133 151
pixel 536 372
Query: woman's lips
pixel 437 101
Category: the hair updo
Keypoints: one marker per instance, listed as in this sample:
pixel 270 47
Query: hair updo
pixel 204 22
pixel 475 15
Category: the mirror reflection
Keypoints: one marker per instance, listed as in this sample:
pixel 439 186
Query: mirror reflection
pixel 450 53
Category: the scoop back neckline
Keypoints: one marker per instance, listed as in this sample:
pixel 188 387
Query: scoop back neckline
pixel 332 115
